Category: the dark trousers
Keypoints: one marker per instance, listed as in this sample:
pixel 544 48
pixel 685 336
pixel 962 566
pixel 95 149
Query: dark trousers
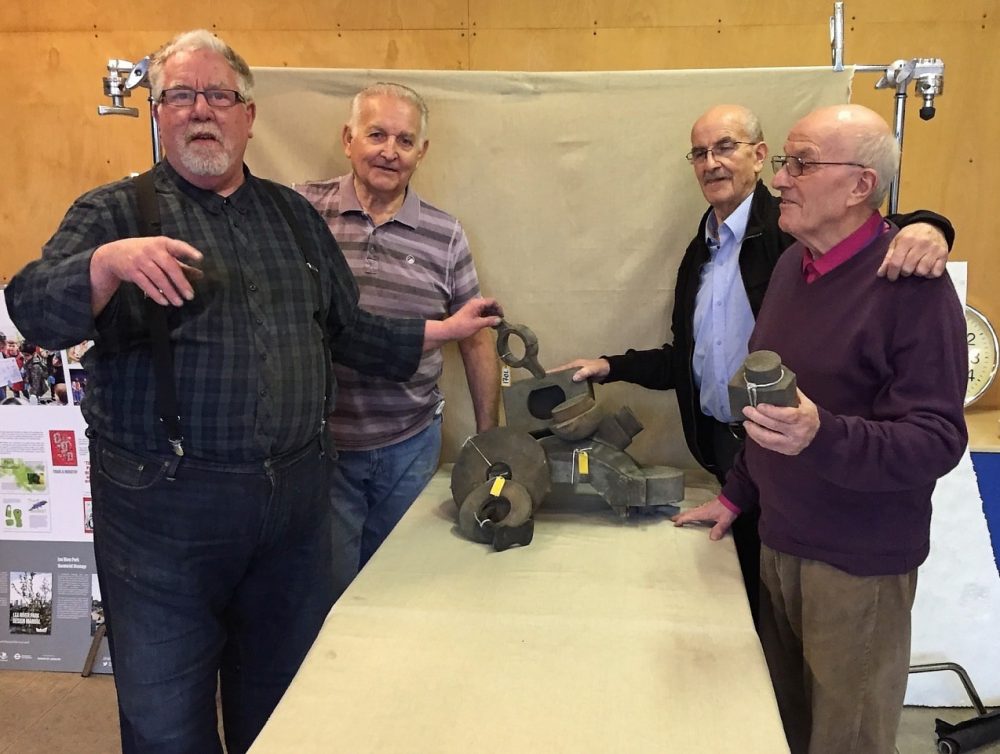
pixel 726 442
pixel 221 575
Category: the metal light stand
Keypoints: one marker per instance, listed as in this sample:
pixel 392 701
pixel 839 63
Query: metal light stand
pixel 118 89
pixel 926 73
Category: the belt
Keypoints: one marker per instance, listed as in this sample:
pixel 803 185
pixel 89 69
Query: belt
pixel 253 467
pixel 262 466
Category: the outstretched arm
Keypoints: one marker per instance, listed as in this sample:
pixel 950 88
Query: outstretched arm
pixel 587 369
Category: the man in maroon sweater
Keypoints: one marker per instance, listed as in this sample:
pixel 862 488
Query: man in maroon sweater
pixel 844 481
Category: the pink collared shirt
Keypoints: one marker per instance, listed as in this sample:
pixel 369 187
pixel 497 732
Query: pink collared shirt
pixel 813 268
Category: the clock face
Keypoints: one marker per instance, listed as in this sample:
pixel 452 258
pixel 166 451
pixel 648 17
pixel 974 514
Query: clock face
pixel 983 349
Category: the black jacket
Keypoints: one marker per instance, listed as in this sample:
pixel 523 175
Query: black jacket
pixel 670 365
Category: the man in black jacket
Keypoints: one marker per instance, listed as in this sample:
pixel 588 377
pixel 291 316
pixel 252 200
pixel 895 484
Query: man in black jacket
pixel 720 286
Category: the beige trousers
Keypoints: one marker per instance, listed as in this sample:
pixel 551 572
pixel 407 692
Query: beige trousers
pixel 838 650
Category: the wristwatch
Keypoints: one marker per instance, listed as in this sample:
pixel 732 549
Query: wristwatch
pixel 982 339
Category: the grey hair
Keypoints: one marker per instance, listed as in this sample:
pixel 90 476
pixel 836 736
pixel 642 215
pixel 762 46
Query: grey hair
pixel 880 153
pixel 192 41
pixel 751 126
pixel 389 89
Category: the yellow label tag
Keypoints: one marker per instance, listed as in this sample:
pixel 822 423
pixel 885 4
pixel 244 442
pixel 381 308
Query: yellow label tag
pixel 497 486
pixel 583 462
pixel 505 380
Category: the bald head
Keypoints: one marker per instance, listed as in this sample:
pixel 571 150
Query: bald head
pixel 727 153
pixel 739 119
pixel 853 133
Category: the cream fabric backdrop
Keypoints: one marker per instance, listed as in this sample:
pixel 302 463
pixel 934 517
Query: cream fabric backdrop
pixel 572 188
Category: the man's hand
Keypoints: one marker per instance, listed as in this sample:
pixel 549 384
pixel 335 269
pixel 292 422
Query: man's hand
pixel 471 318
pixel 919 249
pixel 783 429
pixel 587 369
pixel 162 267
pixel 712 512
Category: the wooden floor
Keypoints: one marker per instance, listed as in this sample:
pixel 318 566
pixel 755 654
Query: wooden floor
pixel 53 713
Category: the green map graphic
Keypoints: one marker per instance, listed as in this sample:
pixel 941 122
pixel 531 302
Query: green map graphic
pixel 28 477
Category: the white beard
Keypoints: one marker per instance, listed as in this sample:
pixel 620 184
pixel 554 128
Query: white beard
pixel 214 163
pixel 203 158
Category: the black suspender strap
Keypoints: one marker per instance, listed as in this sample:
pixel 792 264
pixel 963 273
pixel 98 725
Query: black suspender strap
pixel 156 316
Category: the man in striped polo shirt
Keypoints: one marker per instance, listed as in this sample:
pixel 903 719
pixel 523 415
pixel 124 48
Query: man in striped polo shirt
pixel 409 259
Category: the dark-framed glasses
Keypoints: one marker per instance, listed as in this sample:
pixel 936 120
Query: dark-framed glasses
pixel 796 166
pixel 184 97
pixel 720 149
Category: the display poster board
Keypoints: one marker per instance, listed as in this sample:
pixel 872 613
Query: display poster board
pixel 50 605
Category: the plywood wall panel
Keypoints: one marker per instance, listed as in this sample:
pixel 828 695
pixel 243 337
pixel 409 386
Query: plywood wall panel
pixel 625 49
pixel 313 15
pixel 267 15
pixel 434 49
pixel 582 14
pixel 570 14
pixel 97 16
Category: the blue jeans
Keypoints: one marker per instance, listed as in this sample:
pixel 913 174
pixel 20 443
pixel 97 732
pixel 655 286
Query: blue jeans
pixel 370 492
pixel 222 573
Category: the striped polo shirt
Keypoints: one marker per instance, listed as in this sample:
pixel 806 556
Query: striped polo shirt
pixel 417 264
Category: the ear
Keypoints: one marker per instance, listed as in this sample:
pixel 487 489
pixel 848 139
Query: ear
pixel 864 187
pixel 423 149
pixel 759 156
pixel 252 115
pixel 346 138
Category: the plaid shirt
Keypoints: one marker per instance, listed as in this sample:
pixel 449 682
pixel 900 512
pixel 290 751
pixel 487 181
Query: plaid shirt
pixel 248 350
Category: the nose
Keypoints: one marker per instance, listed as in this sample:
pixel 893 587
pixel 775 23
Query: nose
pixel 710 161
pixel 389 149
pixel 781 179
pixel 201 108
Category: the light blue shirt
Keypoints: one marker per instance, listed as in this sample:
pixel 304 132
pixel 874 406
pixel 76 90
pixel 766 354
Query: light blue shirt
pixel 723 319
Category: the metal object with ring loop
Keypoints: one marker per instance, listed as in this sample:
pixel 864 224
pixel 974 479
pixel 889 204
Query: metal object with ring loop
pixel 530 358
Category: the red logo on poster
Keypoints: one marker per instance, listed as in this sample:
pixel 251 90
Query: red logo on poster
pixel 63 442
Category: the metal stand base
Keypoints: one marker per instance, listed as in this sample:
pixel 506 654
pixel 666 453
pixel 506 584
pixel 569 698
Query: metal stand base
pixel 95 645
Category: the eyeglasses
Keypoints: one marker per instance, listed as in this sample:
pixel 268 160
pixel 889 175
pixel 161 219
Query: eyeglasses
pixel 796 166
pixel 721 149
pixel 183 97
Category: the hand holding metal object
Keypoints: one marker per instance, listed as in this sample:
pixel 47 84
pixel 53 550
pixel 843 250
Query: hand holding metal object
pixel 530 358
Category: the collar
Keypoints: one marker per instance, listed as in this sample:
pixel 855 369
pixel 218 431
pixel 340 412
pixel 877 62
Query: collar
pixel 208 199
pixel 408 212
pixel 814 267
pixel 736 222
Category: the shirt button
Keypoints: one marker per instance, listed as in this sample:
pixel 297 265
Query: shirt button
pixel 253 286
pixel 262 392
pixel 258 320
pixel 263 356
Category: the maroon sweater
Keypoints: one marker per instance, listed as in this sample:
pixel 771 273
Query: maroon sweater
pixel 886 364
